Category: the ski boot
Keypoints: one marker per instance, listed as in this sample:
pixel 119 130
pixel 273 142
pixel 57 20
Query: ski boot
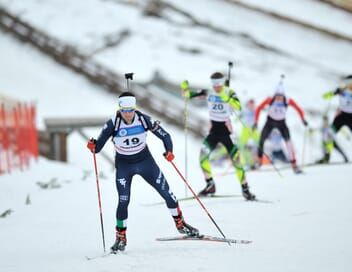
pixel 246 193
pixel 120 242
pixel 325 159
pixel 295 168
pixel 185 228
pixel 209 189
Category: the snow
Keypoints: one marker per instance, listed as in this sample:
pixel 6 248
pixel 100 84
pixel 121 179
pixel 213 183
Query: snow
pixel 306 228
pixel 156 44
pixel 335 20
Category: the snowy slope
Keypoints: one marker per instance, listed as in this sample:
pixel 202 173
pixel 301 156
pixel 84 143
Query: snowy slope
pixel 262 47
pixel 311 67
pixel 306 228
pixel 329 18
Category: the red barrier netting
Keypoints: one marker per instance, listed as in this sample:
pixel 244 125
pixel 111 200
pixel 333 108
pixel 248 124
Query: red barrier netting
pixel 18 135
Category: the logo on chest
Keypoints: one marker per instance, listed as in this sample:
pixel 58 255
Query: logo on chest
pixel 130 131
pixel 122 132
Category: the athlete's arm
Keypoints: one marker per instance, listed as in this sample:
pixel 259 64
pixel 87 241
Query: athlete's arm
pixel 292 103
pixel 329 95
pixel 158 131
pixel 231 98
pixel 104 135
pixel 191 94
pixel 260 107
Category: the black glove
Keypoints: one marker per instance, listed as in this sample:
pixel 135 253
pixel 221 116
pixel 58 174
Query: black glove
pixel 338 90
pixel 305 123
pixel 203 92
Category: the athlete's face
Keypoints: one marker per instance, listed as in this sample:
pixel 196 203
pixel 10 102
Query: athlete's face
pixel 279 98
pixel 217 88
pixel 218 84
pixel 251 105
pixel 127 115
pixel 349 87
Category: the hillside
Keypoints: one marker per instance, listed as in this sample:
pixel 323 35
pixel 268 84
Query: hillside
pixel 305 226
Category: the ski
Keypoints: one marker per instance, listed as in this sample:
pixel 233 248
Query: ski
pixel 212 197
pixel 325 164
pixel 98 256
pixel 208 197
pixel 192 197
pixel 283 167
pixel 202 237
pixel 261 201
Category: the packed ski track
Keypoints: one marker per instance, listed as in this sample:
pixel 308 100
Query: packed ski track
pixel 306 228
pixel 302 222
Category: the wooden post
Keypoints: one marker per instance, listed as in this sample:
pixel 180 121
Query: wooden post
pixel 58 145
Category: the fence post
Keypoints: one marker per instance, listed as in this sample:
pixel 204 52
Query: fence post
pixel 34 131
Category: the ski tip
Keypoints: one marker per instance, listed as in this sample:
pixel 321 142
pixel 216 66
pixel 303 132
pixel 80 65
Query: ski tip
pixel 106 254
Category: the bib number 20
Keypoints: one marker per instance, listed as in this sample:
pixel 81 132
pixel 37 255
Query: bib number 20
pixel 218 107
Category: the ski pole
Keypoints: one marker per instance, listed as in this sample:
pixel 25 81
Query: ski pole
pixel 186 141
pixel 304 146
pixel 230 65
pixel 197 198
pixel 99 200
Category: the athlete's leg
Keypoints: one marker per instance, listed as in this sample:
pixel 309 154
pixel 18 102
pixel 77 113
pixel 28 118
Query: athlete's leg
pixel 339 149
pixel 339 121
pixel 234 153
pixel 151 172
pixel 208 146
pixel 124 176
pixel 290 149
pixel 286 135
pixel 268 127
pixel 349 120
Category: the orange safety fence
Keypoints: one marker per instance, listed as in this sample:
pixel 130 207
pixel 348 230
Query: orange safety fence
pixel 18 135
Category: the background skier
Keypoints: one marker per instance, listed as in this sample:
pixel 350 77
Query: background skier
pixel 276 118
pixel 220 103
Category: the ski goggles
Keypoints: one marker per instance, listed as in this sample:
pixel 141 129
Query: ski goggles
pixel 128 102
pixel 127 110
pixel 217 82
